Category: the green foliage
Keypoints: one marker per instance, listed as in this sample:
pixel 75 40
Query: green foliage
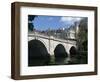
pixel 30 24
pixel 31 17
pixel 82 36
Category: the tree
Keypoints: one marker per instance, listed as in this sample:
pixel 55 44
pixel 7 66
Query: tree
pixel 82 38
pixel 30 24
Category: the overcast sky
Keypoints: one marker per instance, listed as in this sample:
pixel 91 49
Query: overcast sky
pixel 53 22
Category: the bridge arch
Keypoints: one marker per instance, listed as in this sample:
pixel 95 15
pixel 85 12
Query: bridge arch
pixel 73 51
pixel 60 54
pixel 60 51
pixel 37 53
pixel 33 38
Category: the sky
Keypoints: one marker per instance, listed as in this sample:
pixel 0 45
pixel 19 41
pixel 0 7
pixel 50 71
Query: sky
pixel 42 22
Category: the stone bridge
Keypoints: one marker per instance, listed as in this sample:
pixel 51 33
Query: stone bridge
pixel 51 45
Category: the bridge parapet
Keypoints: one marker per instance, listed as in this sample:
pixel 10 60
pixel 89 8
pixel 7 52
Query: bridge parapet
pixel 37 35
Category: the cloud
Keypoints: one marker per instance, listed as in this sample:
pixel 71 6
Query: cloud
pixel 63 19
pixel 69 20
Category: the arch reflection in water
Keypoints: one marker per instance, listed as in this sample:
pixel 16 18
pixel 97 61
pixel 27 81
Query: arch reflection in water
pixel 37 53
pixel 78 57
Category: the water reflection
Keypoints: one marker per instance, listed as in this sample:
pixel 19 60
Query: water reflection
pixel 39 56
pixel 76 59
pixel 61 61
